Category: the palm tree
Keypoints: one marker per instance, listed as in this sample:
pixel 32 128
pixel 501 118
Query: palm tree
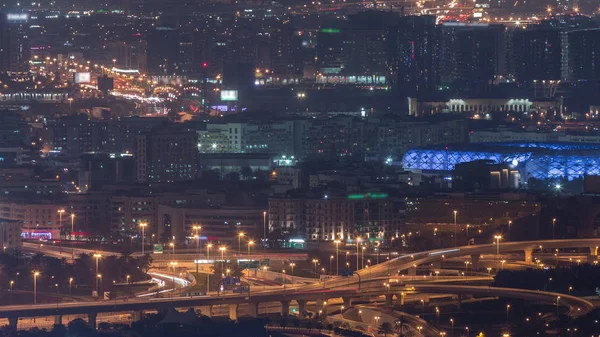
pixel 385 328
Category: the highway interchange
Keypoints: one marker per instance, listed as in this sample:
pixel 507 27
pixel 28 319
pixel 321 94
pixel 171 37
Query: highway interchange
pixel 393 280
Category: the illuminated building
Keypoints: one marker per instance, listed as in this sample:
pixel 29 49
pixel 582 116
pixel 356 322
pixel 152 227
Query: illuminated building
pixel 480 54
pixel 163 51
pixel 536 54
pixel 373 216
pixel 14 42
pixel 166 155
pixel 533 160
pixel 581 54
pixel 413 54
pixel 10 234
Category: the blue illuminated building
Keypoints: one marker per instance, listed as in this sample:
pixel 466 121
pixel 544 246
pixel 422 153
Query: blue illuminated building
pixel 533 160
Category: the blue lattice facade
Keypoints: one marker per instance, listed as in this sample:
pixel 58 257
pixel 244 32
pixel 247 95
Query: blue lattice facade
pixel 534 160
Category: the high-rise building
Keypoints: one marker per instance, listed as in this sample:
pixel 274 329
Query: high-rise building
pixel 480 54
pixel 536 54
pixel 333 48
pixel 413 54
pixel 581 54
pixel 162 51
pixel 285 51
pixel 166 154
pixel 327 217
pixel 14 42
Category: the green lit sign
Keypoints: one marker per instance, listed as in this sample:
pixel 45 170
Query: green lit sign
pixel 368 196
pixel 330 30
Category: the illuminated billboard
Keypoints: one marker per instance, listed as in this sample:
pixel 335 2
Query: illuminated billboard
pixel 83 77
pixel 229 95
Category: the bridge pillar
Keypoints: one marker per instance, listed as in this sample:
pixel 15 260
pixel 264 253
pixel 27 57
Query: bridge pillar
pixel 425 299
pixel 12 322
pixel 347 302
pixel 137 315
pixel 475 261
pixel 92 319
pixel 389 299
pixel 594 250
pixel 528 255
pixel 302 308
pixel 253 309
pixel 206 310
pixel 233 314
pixel 401 297
pixel 285 308
pixel 459 299
pixel 57 319
pixel 412 271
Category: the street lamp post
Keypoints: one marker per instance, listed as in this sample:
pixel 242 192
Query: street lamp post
pixel 330 260
pixel 35 275
pixel 97 256
pixel 12 283
pixel 292 265
pixel 70 286
pixel 362 259
pixel 250 243
pixel 452 331
pixel 99 278
pixel 265 229
pixel 455 212
pixel 315 261
pixel 337 257
pixel 60 213
pixel 143 226
pixel 173 265
pixel 553 228
pixel 497 237
pixel 208 247
pixel 509 228
pixel 507 311
pixel 240 235
pixel 222 249
pixel 72 229
pixel 357 255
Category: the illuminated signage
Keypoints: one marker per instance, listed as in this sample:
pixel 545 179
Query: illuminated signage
pixel 17 17
pixel 330 30
pixel 229 95
pixel 84 77
pixel 368 196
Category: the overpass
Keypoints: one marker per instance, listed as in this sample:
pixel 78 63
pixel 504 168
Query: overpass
pixel 409 262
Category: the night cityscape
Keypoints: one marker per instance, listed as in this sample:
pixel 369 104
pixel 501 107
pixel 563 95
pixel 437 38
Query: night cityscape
pixel 232 168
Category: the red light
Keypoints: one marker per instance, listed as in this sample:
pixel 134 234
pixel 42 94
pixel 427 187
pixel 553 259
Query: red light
pixel 204 64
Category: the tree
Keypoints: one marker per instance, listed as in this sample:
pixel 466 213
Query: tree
pixel 246 172
pixel 232 176
pixel 235 270
pixel 385 328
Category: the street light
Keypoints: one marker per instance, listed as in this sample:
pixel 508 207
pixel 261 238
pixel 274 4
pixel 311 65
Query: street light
pixel 250 243
pixel 503 262
pixel 362 259
pixel 570 288
pixel 509 228
pixel 553 228
pixel 72 226
pixel 99 278
pixel 60 213
pixel 240 235
pixel 330 260
pixel 455 212
pixel 172 245
pixel 337 257
pixel 452 322
pixel 264 229
pixel 315 261
pixel 208 247
pixel 35 275
pixel 357 246
pixel 97 256
pixel 507 311
pixel 222 249
pixel 143 226
pixel 173 265
pixel 497 237
pixel 70 285
pixel 292 265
